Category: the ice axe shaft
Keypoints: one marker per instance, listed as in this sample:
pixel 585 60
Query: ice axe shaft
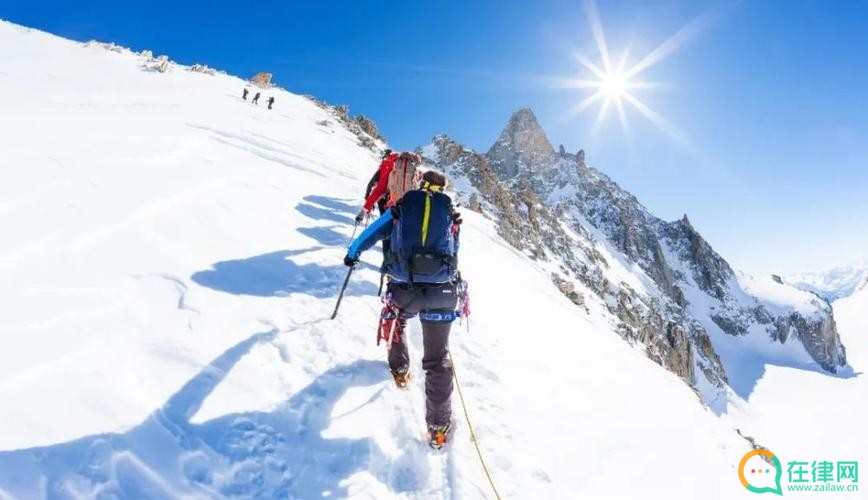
pixel 341 295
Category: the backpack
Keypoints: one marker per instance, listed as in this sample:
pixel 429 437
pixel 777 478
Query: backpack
pixel 423 246
pixel 402 178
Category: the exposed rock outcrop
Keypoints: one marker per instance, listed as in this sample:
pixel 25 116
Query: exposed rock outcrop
pixel 261 80
pixel 201 68
pixel 556 209
pixel 363 127
pixel 368 126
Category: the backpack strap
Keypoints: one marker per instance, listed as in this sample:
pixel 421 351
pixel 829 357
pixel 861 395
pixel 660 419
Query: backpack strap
pixel 426 217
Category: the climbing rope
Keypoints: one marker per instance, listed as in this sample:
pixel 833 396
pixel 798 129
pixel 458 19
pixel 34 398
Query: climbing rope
pixel 470 426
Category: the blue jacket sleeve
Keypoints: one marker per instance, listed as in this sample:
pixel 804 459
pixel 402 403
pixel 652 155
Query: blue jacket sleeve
pixel 378 230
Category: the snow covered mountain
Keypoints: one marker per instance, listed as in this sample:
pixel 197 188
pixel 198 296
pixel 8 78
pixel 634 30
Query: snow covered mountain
pixel 171 255
pixel 833 284
pixel 661 283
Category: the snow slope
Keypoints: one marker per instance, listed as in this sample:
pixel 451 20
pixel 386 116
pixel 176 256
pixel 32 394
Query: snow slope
pixel 170 257
pixel 804 415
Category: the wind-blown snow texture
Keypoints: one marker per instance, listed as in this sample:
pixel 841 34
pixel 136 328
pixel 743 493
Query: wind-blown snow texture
pixel 170 257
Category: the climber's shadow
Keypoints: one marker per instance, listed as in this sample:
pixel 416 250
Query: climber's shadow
pixel 264 454
pixel 335 204
pixel 324 208
pixel 275 274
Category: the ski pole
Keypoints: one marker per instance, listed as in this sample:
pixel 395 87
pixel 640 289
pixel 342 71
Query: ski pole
pixel 341 295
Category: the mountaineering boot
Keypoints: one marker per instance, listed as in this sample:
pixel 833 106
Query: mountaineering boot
pixel 438 435
pixel 402 377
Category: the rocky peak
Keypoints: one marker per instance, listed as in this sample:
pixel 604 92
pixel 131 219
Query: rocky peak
pixel 710 271
pixel 443 149
pixel 545 200
pixel 581 165
pixel 522 146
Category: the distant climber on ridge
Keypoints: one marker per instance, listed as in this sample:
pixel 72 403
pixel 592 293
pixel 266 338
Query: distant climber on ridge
pixel 244 93
pixel 424 280
pixel 270 102
pixel 256 99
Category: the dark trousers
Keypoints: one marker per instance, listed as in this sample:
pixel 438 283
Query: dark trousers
pixel 411 300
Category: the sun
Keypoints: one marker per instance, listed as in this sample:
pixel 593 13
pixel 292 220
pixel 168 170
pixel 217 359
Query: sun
pixel 614 84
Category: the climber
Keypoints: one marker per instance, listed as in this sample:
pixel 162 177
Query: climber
pixel 395 176
pixel 256 99
pixel 270 102
pixel 424 281
pixel 381 203
pixel 244 93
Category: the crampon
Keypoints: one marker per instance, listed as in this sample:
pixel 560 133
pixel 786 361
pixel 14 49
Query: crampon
pixel 438 435
pixel 402 378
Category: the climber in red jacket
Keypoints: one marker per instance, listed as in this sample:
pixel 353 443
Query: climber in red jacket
pixel 381 186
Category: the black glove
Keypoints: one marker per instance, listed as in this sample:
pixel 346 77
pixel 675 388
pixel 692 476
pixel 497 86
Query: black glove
pixel 456 218
pixel 349 261
pixel 361 215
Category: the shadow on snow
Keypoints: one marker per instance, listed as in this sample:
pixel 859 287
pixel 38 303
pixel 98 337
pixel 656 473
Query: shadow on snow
pixel 333 204
pixel 745 369
pixel 280 453
pixel 275 275
pixel 325 236
pixel 326 214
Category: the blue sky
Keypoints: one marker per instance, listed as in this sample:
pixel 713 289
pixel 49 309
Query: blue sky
pixel 770 97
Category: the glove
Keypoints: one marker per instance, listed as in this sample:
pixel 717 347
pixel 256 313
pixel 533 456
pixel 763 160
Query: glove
pixel 456 218
pixel 349 261
pixel 361 215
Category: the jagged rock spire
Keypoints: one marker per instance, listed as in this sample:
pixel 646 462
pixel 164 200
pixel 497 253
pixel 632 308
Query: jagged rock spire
pixel 580 163
pixel 522 145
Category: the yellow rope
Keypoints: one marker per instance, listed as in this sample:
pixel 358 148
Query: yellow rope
pixel 470 426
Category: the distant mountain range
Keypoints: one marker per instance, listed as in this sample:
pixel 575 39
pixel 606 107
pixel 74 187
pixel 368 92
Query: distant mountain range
pixel 833 284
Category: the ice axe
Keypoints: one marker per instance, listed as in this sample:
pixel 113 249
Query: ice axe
pixel 341 295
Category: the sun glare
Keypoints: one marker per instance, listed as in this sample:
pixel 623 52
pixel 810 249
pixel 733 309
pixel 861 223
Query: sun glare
pixel 612 84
